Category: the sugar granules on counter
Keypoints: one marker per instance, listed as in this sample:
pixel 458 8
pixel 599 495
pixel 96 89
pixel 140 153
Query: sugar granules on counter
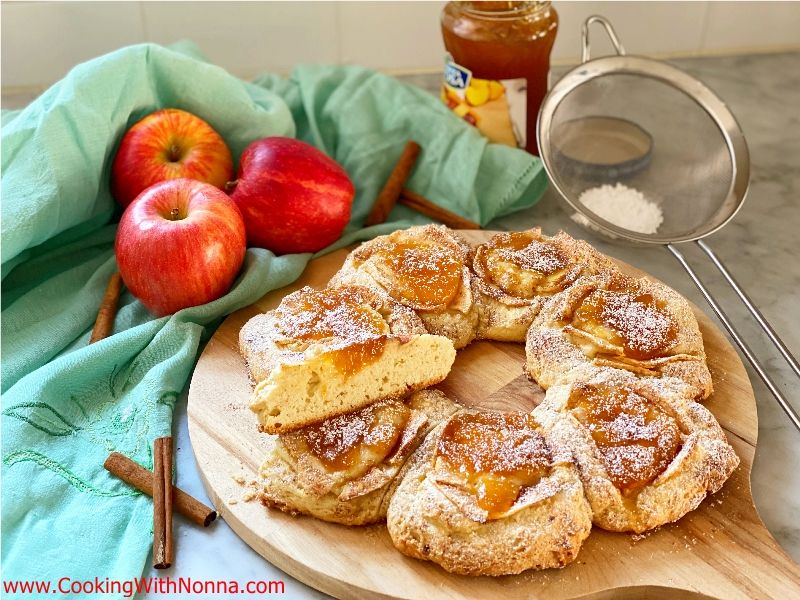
pixel 625 207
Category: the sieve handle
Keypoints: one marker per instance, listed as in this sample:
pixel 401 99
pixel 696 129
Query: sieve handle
pixel 752 308
pixel 787 408
pixel 612 35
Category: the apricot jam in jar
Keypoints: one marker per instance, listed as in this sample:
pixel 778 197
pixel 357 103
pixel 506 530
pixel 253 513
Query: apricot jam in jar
pixel 497 66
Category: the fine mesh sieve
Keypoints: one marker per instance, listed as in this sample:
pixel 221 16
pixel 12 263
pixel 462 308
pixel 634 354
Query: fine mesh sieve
pixel 652 127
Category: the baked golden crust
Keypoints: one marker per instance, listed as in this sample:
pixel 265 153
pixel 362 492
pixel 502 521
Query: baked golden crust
pixel 432 517
pixel 612 320
pixel 298 481
pixel 424 268
pixel 650 457
pixel 516 272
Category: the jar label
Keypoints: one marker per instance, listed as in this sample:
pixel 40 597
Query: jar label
pixel 497 107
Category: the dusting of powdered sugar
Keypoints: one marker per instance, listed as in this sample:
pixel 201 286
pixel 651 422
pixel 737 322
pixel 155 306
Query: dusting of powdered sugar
pixel 646 329
pixel 494 442
pixel 636 439
pixel 376 425
pixel 340 317
pixel 541 257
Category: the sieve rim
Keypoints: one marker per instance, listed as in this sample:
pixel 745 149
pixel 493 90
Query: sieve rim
pixel 714 107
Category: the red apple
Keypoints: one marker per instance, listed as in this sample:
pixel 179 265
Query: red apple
pixel 180 243
pixel 168 144
pixel 293 197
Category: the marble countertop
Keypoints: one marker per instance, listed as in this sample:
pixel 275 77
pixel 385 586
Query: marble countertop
pixel 760 247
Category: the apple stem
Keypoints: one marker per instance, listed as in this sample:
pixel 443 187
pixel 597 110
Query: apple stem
pixel 174 214
pixel 174 153
pixel 230 185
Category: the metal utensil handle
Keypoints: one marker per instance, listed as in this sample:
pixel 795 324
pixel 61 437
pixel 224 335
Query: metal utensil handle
pixel 752 308
pixel 585 55
pixel 787 408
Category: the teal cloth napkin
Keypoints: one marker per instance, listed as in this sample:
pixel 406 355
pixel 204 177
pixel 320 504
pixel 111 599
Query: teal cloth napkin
pixel 66 405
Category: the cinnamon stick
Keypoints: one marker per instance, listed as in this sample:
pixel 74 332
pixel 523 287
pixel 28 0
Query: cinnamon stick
pixel 104 324
pixel 162 503
pixel 391 189
pixel 136 475
pixel 434 211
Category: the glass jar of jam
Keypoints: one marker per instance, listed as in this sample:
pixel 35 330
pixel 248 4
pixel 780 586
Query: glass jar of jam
pixel 497 66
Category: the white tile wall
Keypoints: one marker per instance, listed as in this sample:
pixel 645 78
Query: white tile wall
pixel 41 41
pixel 643 27
pixel 735 24
pixel 249 37
pixel 391 35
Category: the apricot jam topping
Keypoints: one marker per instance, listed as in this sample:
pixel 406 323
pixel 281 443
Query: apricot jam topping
pixel 499 454
pixel 425 275
pixel 522 265
pixel 357 441
pixel 636 440
pixel 343 318
pixel 634 320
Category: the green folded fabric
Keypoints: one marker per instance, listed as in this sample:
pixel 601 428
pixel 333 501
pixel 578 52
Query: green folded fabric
pixel 66 405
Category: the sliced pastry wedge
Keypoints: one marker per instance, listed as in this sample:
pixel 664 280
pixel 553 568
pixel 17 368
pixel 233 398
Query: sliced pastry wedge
pixel 646 454
pixel 328 352
pixel 345 469
pixel 488 494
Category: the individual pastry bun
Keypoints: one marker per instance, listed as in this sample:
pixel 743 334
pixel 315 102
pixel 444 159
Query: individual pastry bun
pixel 488 494
pixel 424 268
pixel 613 320
pixel 647 454
pixel 345 469
pixel 516 272
pixel 263 340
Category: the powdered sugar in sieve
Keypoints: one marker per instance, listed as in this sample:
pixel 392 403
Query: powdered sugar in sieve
pixel 623 206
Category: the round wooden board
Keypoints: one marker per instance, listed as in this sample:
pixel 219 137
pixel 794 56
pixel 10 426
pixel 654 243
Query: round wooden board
pixel 721 550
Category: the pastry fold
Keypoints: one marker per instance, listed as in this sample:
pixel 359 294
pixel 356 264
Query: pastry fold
pixel 436 515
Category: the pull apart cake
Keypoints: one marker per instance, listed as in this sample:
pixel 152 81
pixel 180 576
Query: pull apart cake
pixel 619 440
